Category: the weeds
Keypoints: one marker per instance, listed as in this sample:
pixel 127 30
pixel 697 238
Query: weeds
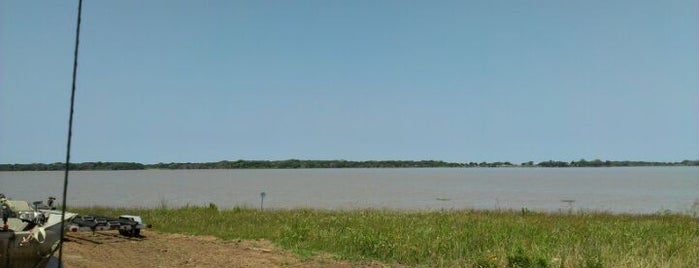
pixel 448 238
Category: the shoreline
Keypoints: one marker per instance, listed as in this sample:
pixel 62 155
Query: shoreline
pixel 691 212
pixel 445 238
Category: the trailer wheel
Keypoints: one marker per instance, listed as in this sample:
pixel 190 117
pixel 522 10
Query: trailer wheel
pixel 125 232
pixel 130 233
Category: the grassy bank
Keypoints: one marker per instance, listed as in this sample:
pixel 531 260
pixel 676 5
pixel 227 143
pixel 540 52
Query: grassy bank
pixel 449 238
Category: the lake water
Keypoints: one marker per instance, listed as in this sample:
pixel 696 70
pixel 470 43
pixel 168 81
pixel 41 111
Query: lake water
pixel 627 190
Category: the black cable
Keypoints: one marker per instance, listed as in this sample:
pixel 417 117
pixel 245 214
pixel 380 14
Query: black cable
pixel 70 136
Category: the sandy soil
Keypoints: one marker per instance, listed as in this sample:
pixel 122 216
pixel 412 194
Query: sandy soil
pixel 174 250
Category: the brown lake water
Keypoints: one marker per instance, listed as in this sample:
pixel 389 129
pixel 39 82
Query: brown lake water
pixel 619 190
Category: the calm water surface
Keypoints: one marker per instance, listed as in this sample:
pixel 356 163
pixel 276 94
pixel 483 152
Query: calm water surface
pixel 633 190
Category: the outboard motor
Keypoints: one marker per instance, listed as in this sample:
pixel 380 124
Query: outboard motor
pixel 5 217
pixel 50 202
pixel 5 210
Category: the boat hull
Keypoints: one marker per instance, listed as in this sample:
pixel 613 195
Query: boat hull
pixel 32 248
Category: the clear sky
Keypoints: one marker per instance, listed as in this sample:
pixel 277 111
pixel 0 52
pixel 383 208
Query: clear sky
pixel 162 81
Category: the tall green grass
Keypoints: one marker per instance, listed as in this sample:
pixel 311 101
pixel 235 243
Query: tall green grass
pixel 449 238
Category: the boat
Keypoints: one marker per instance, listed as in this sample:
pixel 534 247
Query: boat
pixel 30 234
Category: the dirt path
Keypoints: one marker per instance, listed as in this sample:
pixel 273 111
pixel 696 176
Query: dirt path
pixel 174 250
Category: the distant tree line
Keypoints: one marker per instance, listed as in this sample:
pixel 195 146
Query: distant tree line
pixel 73 166
pixel 295 163
pixel 607 163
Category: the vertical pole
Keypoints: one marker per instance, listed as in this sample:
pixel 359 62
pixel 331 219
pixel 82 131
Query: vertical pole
pixel 262 199
pixel 70 135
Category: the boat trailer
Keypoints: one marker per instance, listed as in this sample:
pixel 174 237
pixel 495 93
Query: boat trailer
pixel 128 225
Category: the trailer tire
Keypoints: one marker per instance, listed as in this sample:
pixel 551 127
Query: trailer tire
pixel 125 232
pixel 130 233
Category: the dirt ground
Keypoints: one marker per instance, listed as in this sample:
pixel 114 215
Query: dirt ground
pixel 174 250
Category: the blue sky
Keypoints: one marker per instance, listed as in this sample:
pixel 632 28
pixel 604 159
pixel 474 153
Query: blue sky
pixel 162 81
